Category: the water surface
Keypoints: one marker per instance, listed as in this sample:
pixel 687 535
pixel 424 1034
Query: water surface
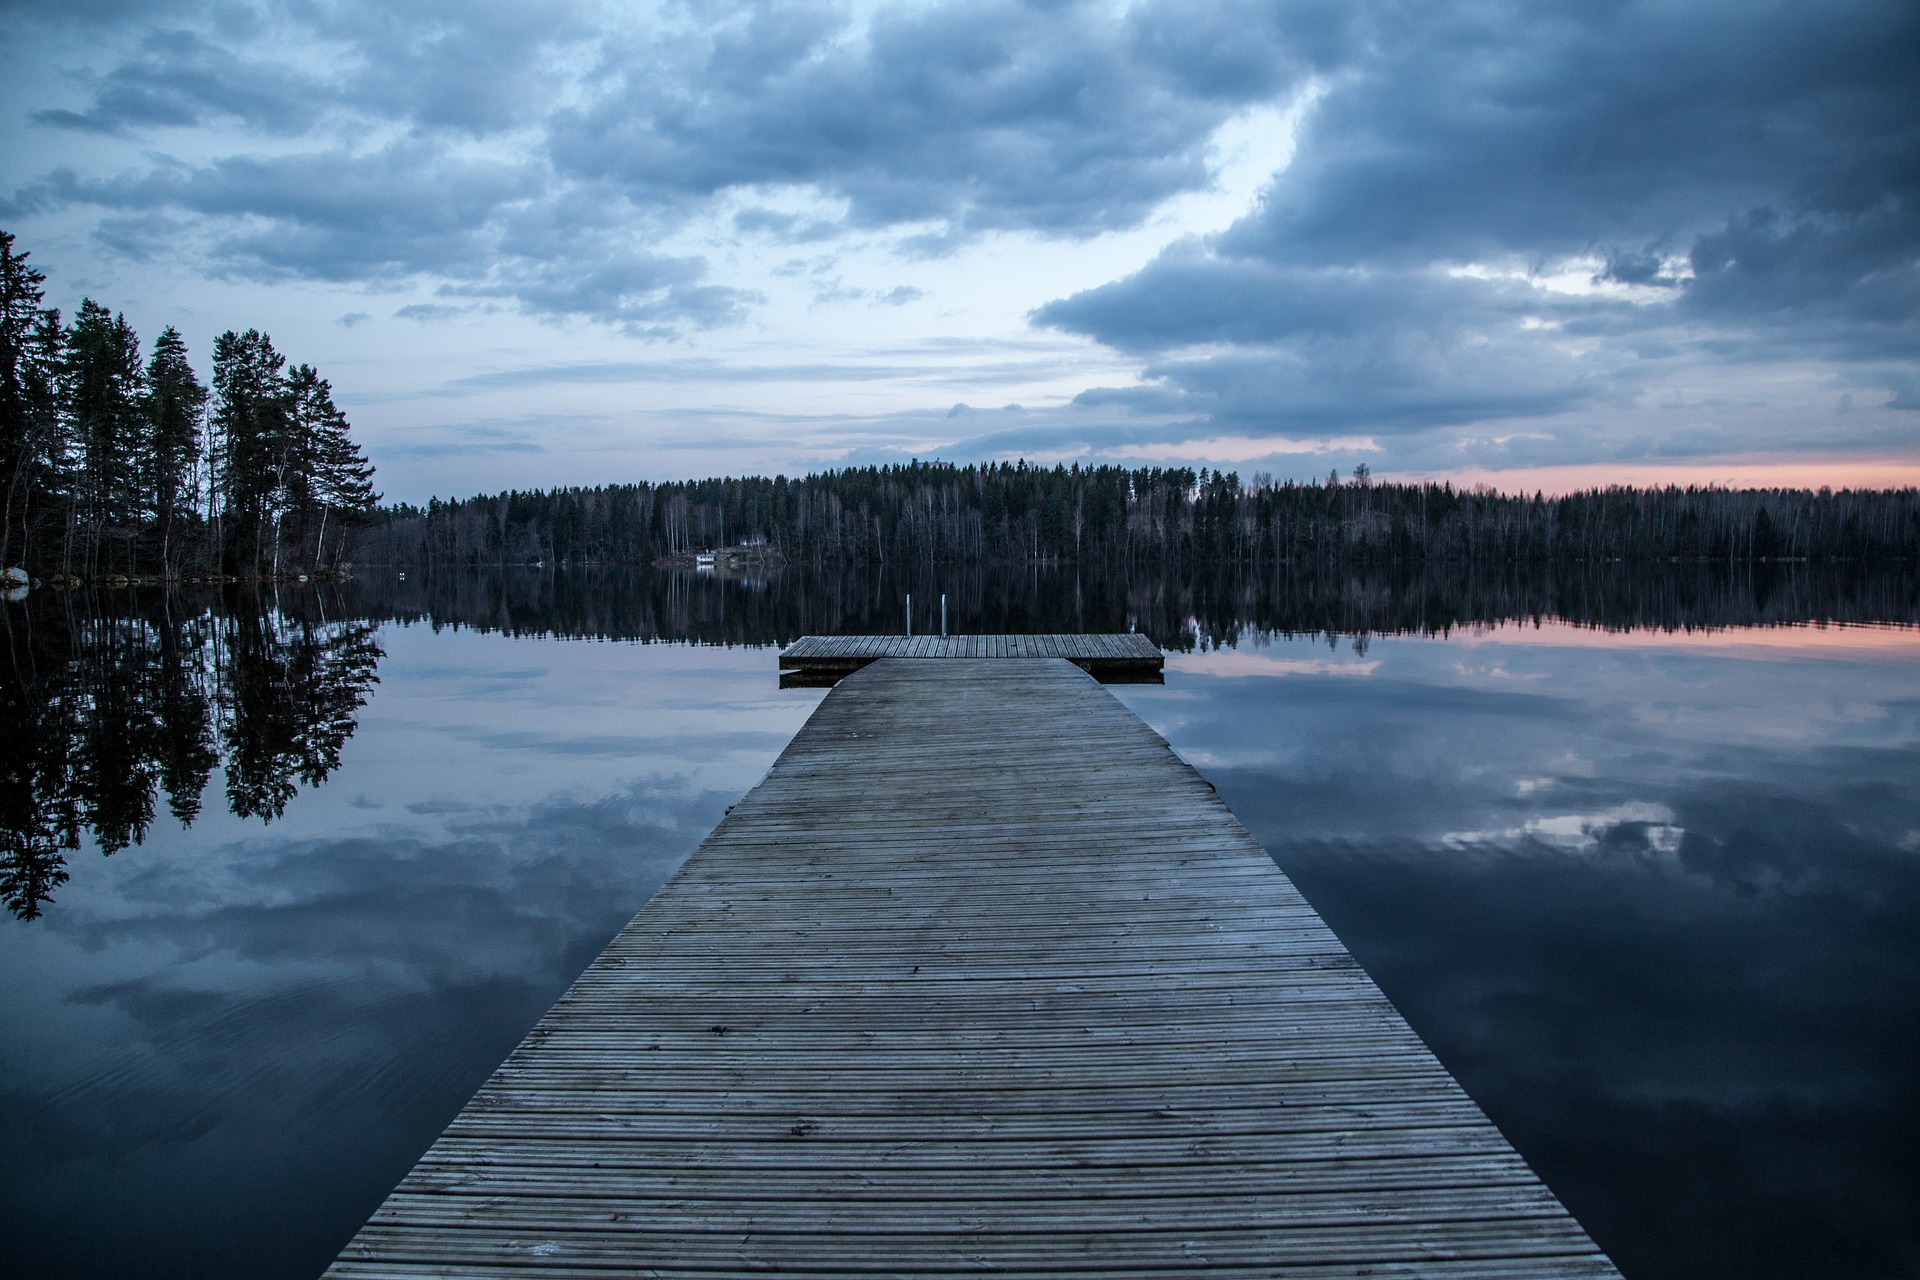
pixel 1651 892
pixel 1653 899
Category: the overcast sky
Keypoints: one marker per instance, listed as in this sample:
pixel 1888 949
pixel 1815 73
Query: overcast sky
pixel 547 243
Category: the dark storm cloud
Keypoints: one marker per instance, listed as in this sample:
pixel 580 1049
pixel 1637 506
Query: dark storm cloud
pixel 1526 129
pixel 1756 173
pixel 1320 349
pixel 489 229
pixel 1464 132
pixel 176 78
pixel 979 116
pixel 953 119
pixel 1845 279
pixel 334 214
pixel 488 223
pixel 473 67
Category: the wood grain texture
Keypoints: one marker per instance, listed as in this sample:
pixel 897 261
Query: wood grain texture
pixel 981 979
pixel 819 661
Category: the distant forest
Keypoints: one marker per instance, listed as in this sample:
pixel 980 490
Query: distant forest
pixel 115 464
pixel 933 513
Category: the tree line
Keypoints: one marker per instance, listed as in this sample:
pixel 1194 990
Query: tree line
pixel 118 462
pixel 936 513
pixel 1180 607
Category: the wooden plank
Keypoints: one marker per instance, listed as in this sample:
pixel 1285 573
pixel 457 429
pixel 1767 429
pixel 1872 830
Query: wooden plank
pixel 530 1268
pixel 979 978
pixel 840 1248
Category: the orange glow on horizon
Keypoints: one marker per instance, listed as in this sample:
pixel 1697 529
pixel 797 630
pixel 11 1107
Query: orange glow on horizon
pixel 1725 473
pixel 1786 639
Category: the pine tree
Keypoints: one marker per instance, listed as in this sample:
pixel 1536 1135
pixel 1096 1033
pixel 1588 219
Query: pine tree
pixel 102 396
pixel 48 493
pixel 251 426
pixel 309 402
pixel 337 478
pixel 176 401
pixel 97 447
pixel 22 425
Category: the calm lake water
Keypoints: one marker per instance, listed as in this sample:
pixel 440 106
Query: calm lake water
pixel 1652 892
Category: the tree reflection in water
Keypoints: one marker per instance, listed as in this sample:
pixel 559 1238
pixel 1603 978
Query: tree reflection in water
pixel 109 705
pixel 111 702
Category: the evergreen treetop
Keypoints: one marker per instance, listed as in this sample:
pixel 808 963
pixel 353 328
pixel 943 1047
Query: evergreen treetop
pixel 111 463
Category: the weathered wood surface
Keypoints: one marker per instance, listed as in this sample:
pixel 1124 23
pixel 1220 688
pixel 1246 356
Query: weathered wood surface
pixel 980 979
pixel 1111 659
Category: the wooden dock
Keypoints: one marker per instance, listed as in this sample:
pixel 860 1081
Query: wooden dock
pixel 819 661
pixel 982 979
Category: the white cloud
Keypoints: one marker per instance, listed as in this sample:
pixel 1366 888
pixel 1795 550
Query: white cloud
pixel 1651 827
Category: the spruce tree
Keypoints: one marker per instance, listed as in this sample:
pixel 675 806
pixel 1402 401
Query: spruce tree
pixel 175 404
pixel 99 448
pixel 308 403
pixel 252 432
pixel 21 448
pixel 103 394
pixel 47 493
pixel 338 479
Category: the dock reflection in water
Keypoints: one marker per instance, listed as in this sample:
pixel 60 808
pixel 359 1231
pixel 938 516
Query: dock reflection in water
pixel 1646 884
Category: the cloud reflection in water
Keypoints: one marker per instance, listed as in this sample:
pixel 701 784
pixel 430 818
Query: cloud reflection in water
pixel 1655 903
pixel 224 1047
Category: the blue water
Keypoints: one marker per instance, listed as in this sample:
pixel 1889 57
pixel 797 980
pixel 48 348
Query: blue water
pixel 1655 901
pixel 1654 898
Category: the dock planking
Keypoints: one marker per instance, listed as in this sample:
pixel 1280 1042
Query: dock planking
pixel 822 661
pixel 980 978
